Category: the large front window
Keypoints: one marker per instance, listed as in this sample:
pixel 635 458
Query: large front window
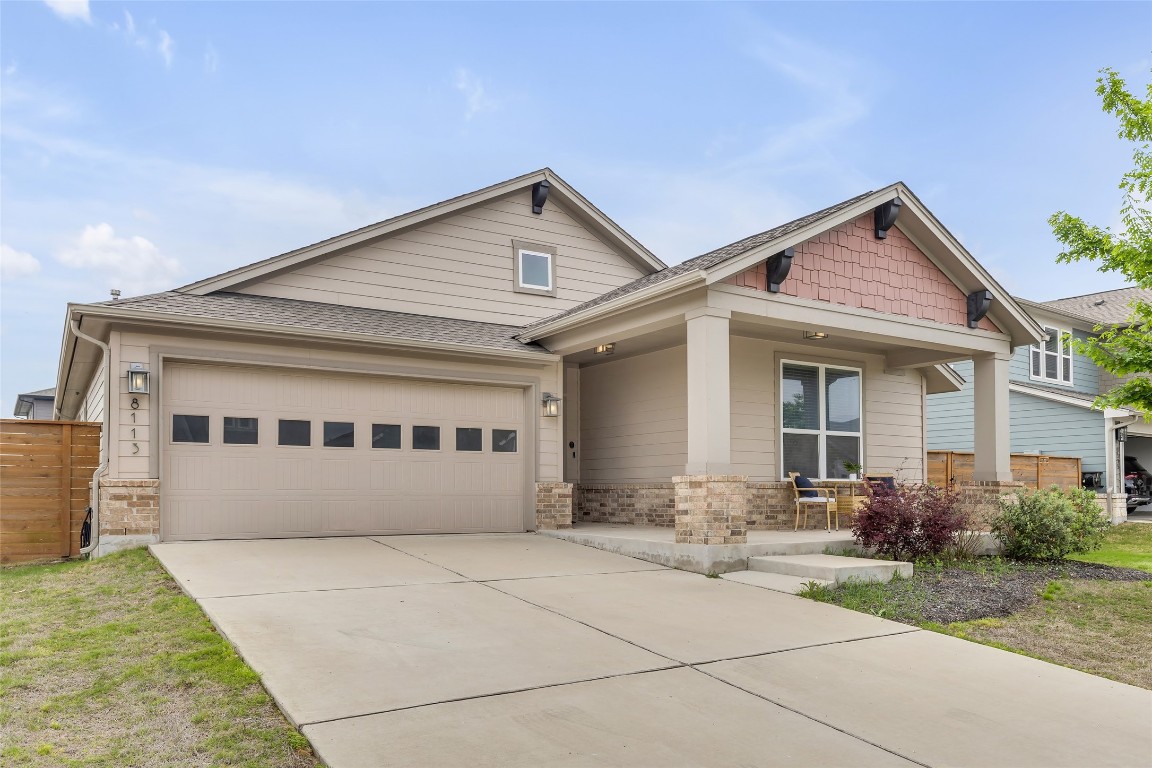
pixel 820 419
pixel 1053 361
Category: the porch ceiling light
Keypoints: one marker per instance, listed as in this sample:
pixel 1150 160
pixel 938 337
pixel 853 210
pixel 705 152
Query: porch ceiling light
pixel 605 349
pixel 817 335
pixel 137 380
pixel 551 404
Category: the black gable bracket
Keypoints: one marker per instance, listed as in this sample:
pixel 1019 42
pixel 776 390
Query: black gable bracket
pixel 979 302
pixel 540 195
pixel 778 266
pixel 886 214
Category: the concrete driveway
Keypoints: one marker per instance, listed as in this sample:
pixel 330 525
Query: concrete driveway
pixel 521 650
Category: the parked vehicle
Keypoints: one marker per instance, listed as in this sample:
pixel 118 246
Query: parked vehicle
pixel 1137 483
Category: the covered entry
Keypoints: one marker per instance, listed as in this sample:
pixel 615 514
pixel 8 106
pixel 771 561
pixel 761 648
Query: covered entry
pixel 250 452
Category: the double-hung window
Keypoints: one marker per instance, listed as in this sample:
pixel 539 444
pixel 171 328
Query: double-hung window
pixel 1052 361
pixel 820 409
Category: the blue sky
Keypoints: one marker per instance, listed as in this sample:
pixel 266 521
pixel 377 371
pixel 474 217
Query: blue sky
pixel 145 145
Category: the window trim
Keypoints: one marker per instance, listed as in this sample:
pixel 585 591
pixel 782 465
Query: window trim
pixel 520 247
pixel 823 432
pixel 1060 358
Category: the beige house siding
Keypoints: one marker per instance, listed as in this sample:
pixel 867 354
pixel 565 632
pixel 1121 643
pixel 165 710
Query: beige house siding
pixel 634 419
pixel 634 413
pixel 133 454
pixel 462 267
pixel 92 409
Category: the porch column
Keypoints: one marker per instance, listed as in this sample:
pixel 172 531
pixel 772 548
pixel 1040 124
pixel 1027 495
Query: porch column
pixel 992 442
pixel 709 399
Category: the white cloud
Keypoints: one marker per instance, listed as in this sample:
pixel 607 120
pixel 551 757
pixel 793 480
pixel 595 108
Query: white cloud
pixel 150 38
pixel 15 264
pixel 132 264
pixel 70 10
pixel 476 99
pixel 166 46
pixel 211 59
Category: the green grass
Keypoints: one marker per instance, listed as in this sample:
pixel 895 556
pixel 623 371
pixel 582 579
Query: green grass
pixel 1125 546
pixel 106 663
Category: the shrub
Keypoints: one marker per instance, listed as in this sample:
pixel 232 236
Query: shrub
pixel 1049 524
pixel 910 521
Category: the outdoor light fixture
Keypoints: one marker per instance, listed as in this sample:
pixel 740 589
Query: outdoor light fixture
pixel 606 349
pixel 817 335
pixel 137 380
pixel 551 404
pixel 1122 435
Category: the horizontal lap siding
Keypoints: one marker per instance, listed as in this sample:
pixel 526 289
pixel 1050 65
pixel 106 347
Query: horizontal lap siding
pixel 462 267
pixel 93 407
pixel 1057 429
pixel 950 415
pixel 634 418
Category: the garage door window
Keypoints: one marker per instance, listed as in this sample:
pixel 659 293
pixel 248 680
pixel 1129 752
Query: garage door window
pixel 504 441
pixel 189 429
pixel 339 434
pixel 426 438
pixel 386 436
pixel 469 439
pixel 241 430
pixel 295 432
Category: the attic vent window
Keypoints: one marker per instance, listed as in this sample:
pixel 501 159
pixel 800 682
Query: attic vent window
pixel 535 267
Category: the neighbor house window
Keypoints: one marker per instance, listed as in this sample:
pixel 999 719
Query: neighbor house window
pixel 535 268
pixel 241 430
pixel 820 410
pixel 1053 361
pixel 189 429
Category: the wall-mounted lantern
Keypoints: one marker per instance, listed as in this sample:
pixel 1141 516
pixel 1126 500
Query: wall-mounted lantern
pixel 551 404
pixel 1122 435
pixel 137 380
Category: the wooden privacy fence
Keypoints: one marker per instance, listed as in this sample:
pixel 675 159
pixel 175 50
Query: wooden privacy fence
pixel 946 468
pixel 45 471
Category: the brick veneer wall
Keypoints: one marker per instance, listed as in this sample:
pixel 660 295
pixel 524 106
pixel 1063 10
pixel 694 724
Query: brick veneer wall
pixel 129 507
pixel 848 265
pixel 981 497
pixel 627 503
pixel 772 507
pixel 711 509
pixel 553 506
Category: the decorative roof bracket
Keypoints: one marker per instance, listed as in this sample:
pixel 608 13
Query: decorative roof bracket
pixel 540 195
pixel 778 266
pixel 979 302
pixel 886 214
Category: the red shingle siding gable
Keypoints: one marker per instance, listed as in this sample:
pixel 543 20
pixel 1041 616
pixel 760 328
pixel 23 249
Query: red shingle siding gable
pixel 848 265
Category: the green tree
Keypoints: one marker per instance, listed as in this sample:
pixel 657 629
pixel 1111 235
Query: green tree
pixel 1127 349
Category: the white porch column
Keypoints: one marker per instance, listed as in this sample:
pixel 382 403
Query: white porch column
pixel 709 399
pixel 993 444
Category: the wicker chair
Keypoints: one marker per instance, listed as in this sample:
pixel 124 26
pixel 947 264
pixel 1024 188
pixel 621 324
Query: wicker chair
pixel 825 497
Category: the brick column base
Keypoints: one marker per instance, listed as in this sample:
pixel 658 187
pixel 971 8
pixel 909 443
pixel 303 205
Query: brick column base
pixel 982 497
pixel 553 506
pixel 711 509
pixel 1113 506
pixel 129 514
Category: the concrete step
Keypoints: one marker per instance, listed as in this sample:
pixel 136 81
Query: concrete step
pixel 832 568
pixel 777 582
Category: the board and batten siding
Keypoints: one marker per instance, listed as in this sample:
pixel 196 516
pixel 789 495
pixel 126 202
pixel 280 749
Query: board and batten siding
pixel 634 414
pixel 1036 425
pixel 462 267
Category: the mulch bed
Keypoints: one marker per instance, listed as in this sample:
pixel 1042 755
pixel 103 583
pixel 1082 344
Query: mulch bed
pixel 959 594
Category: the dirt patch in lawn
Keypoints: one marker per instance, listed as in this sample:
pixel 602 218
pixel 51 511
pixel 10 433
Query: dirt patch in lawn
pixel 107 663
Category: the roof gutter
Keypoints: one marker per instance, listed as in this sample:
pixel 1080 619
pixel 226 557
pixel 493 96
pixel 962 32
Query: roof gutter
pixel 105 435
pixel 621 302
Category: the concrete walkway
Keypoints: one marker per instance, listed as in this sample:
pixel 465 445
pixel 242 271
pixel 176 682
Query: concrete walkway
pixel 523 650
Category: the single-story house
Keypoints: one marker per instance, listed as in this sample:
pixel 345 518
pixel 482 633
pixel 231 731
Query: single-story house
pixel 512 359
pixel 35 405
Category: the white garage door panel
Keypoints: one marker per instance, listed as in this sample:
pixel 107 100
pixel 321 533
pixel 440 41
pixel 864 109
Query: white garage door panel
pixel 219 490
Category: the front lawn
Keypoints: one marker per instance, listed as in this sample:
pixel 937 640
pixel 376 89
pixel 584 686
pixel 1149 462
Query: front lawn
pixel 107 663
pixel 1092 614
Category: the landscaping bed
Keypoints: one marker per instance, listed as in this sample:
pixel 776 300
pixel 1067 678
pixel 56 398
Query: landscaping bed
pixel 107 663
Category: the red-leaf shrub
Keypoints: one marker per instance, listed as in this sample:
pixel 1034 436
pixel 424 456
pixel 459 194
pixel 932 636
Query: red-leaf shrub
pixel 910 521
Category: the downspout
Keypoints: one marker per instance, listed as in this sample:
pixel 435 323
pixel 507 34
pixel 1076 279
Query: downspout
pixel 105 450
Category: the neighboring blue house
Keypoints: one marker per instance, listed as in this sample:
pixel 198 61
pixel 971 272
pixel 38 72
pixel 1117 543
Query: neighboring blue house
pixel 1051 393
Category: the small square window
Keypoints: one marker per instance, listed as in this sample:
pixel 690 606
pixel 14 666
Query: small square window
pixel 469 439
pixel 385 435
pixel 504 441
pixel 535 268
pixel 295 432
pixel 189 429
pixel 426 438
pixel 241 430
pixel 339 434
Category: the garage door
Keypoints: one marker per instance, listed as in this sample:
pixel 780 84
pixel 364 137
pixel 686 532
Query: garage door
pixel 260 453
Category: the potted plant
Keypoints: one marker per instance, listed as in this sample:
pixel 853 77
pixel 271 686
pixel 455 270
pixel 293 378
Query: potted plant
pixel 853 469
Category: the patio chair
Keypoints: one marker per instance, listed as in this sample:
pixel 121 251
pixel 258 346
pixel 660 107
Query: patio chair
pixel 808 495
pixel 883 483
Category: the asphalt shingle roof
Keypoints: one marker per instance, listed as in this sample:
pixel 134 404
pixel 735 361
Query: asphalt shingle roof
pixel 1107 307
pixel 704 261
pixel 330 317
pixel 50 392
